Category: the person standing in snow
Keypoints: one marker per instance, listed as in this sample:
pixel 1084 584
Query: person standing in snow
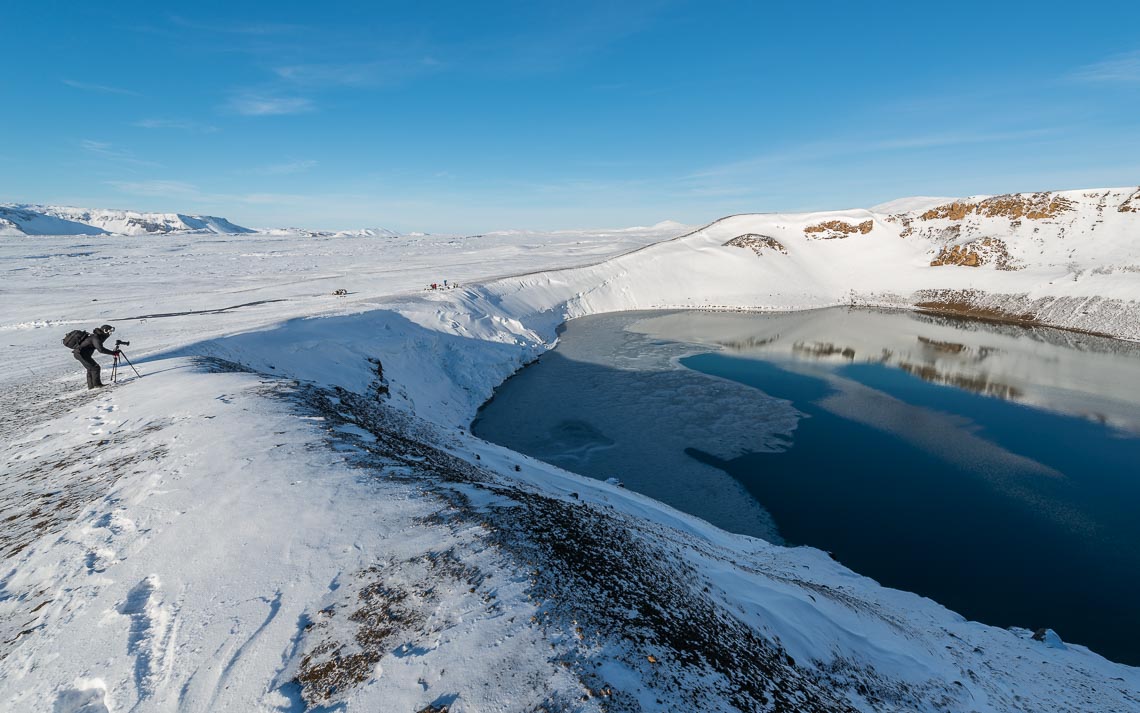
pixel 87 348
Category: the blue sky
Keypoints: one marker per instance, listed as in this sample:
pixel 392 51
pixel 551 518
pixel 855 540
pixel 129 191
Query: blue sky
pixel 464 116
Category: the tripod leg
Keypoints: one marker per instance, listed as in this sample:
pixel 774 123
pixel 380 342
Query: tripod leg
pixel 124 356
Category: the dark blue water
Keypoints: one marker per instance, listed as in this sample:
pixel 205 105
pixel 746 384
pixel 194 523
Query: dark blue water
pixel 1065 556
pixel 1022 510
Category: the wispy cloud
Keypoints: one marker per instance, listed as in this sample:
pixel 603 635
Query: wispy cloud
pixel 1118 68
pixel 286 168
pixel 109 152
pixel 100 88
pixel 269 105
pixel 159 189
pixel 192 193
pixel 829 150
pixel 257 29
pixel 270 198
pixel 358 74
pixel 179 124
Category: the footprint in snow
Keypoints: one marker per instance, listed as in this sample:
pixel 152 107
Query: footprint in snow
pixel 98 560
pixel 116 522
pixel 89 696
pixel 150 637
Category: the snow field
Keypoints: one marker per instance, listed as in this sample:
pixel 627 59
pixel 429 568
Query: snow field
pixel 239 541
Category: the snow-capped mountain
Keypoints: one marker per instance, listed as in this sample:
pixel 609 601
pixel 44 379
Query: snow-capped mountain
pixel 20 219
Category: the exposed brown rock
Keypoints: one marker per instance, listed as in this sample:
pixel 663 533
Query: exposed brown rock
pixel 757 242
pixel 975 254
pixel 953 211
pixel 956 255
pixel 1131 204
pixel 1035 206
pixel 831 229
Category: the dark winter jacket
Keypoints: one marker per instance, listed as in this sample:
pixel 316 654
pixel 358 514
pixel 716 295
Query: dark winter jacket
pixel 92 343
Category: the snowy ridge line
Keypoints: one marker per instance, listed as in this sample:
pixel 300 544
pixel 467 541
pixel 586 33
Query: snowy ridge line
pixel 496 278
pixel 26 219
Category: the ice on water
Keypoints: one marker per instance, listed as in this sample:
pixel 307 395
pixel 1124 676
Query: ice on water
pixel 613 386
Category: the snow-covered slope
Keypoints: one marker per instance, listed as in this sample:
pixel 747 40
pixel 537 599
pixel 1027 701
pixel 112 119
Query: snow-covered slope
pixel 288 512
pixel 27 220
pixel 16 219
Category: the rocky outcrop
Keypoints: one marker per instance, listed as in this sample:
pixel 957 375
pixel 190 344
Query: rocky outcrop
pixel 832 229
pixel 758 243
pixel 975 254
pixel 1034 206
pixel 1131 204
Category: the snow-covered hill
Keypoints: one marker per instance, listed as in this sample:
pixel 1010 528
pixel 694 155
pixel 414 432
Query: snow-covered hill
pixel 288 512
pixel 1069 259
pixel 19 219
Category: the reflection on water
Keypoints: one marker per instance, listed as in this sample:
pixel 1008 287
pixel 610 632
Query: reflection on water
pixel 1081 375
pixel 874 435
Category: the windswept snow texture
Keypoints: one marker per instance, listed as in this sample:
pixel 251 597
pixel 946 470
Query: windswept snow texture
pixel 61 220
pixel 287 511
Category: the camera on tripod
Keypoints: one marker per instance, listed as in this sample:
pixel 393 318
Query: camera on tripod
pixel 120 355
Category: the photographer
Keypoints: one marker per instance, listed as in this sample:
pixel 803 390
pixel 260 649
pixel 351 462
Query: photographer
pixel 86 348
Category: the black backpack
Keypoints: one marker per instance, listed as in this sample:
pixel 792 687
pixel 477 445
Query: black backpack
pixel 74 338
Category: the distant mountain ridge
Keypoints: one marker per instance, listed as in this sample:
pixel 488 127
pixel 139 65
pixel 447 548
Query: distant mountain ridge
pixel 25 219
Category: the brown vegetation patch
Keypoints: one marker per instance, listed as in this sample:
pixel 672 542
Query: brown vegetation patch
pixel 831 229
pixel 1035 206
pixel 1096 316
pixel 380 613
pixel 975 254
pixel 758 243
pixel 965 309
pixel 968 303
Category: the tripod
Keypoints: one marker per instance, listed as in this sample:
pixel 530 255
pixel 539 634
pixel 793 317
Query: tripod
pixel 115 366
